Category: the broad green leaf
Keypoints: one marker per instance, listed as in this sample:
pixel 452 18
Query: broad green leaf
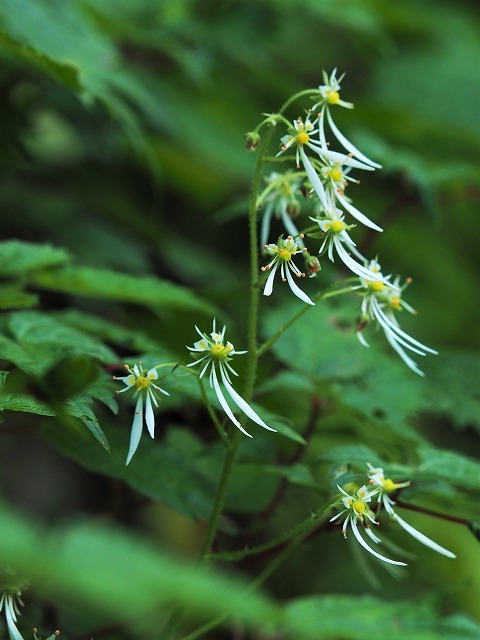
pixel 165 471
pixel 359 617
pixel 123 575
pixel 20 258
pixel 452 467
pixel 109 285
pixel 14 297
pixel 80 409
pixel 24 403
pixel 38 341
pixel 299 474
pixel 448 391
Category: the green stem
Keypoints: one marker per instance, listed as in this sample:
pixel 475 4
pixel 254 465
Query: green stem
pixel 234 443
pixel 329 293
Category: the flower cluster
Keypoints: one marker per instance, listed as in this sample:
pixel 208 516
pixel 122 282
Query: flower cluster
pixel 216 354
pixel 324 177
pixel 360 516
pixel 381 298
pixel 145 390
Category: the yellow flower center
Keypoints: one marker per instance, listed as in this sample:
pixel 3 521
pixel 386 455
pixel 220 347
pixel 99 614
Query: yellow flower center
pixel 337 226
pixel 302 137
pixel 284 255
pixel 395 302
pixel 142 382
pixel 359 506
pixel 333 97
pixel 389 485
pixel 336 175
pixel 376 285
pixel 219 351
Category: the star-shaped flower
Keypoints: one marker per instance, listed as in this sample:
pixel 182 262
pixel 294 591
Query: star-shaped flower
pixel 217 354
pixel 358 511
pixel 381 299
pixel 386 486
pixel 142 382
pixel 282 253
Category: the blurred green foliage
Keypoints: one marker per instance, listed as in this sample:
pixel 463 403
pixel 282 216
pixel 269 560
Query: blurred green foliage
pixel 123 196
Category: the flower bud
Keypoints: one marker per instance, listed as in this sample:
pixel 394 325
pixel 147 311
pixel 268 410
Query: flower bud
pixel 252 140
pixel 312 265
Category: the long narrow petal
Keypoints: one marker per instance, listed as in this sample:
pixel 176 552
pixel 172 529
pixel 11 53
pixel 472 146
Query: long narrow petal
pixel 149 416
pixel 362 542
pixel 396 329
pixel 224 403
pixel 314 179
pixel 423 538
pixel 11 619
pixel 348 145
pixel 296 289
pixel 290 227
pixel 243 404
pixel 354 266
pixel 136 428
pixel 358 214
pixel 269 283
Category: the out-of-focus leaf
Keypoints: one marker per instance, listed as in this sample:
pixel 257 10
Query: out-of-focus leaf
pixel 19 258
pixel 358 617
pixel 125 574
pixel 24 403
pixel 79 409
pixel 13 297
pixel 109 285
pixel 452 467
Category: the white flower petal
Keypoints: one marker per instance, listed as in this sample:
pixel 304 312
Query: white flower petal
pixel 314 179
pixel 11 619
pixel 358 214
pixel 149 416
pixel 296 289
pixel 423 538
pixel 354 266
pixel 348 145
pixel 137 426
pixel 243 404
pixel 224 403
pixel 269 283
pixel 362 542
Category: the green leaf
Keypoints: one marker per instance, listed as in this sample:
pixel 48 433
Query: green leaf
pixel 109 285
pixel 123 575
pixel 24 403
pixel 82 411
pixel 169 471
pixel 14 297
pixel 447 391
pixel 359 617
pixel 455 468
pixel 38 341
pixel 20 258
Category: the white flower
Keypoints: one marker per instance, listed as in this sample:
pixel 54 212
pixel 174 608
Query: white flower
pixel 386 486
pixel 9 602
pixel 279 199
pixel 300 136
pixel 217 356
pixel 330 96
pixel 282 256
pixel 141 381
pixel 357 510
pixel 381 299
pixel 336 237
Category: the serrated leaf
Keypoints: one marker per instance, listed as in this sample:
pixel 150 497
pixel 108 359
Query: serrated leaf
pixel 447 392
pixel 450 466
pixel 19 258
pixel 164 471
pixel 24 403
pixel 109 285
pixel 79 409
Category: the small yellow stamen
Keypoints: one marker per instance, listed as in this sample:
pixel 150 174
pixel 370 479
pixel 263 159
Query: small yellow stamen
pixel 389 485
pixel 302 137
pixel 336 175
pixel 333 97
pixel 376 285
pixel 395 302
pixel 359 507
pixel 219 351
pixel 142 382
pixel 284 255
pixel 337 226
